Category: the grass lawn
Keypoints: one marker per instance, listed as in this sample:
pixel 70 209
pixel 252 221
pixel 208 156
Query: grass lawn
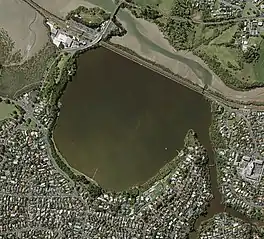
pixel 166 5
pixel 61 65
pixel 6 110
pixel 148 2
pixel 163 5
pixel 198 34
pixel 209 32
pixel 217 4
pixel 247 74
pixel 259 67
pixel 226 36
pixel 223 54
pixel 249 9
pixel 92 17
pixel 203 33
pixel 255 40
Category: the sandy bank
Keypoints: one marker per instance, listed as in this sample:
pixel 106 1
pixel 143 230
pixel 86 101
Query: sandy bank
pixel 151 31
pixel 23 25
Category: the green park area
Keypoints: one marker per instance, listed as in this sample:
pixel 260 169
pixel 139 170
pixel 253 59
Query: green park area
pixel 250 9
pixel 163 5
pixel 219 45
pixel 6 110
pixel 64 58
pixel 91 17
pixel 259 66
pixel 241 68
pixel 236 68
pixel 56 78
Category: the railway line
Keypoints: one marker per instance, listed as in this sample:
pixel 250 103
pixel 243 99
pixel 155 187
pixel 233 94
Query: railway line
pixel 209 94
pixel 213 96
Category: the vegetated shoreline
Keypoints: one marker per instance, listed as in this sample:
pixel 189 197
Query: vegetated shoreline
pixel 80 177
pixel 134 190
pixel 75 174
pixel 92 186
pixel 61 162
pixel 128 50
pixel 227 79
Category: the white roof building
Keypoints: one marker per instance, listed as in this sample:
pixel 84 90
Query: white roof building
pixel 53 30
pixel 249 169
pixel 64 39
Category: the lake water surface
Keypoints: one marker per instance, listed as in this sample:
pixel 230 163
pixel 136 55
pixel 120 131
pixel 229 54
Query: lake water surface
pixel 123 121
pixel 120 123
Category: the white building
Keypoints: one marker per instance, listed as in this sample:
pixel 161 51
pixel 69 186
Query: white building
pixel 59 37
pixel 64 39
pixel 53 30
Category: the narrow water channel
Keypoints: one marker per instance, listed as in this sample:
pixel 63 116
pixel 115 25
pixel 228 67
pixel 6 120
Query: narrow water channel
pixel 215 204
